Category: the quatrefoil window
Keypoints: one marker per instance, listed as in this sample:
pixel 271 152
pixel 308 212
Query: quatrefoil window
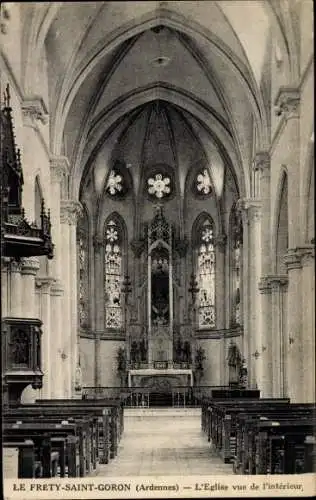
pixel 115 183
pixel 203 182
pixel 159 186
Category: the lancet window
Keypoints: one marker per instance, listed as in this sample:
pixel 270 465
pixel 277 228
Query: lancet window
pixel 113 273
pixel 83 269
pixel 236 248
pixel 205 272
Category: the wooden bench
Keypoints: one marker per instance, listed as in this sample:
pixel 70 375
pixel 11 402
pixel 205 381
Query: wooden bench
pixel 57 444
pixel 245 421
pixel 262 436
pixel 23 465
pixel 99 447
pixel 116 414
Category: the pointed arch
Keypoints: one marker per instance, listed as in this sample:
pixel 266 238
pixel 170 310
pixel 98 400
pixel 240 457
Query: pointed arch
pixel 281 224
pixel 83 238
pixel 115 266
pixel 204 263
pixel 235 260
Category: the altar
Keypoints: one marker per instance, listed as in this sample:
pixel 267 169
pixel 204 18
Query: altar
pixel 158 377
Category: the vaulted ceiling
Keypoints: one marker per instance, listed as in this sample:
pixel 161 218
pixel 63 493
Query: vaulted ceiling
pixel 108 62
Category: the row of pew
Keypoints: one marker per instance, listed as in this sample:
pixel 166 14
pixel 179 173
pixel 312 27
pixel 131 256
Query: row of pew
pixel 262 436
pixel 63 437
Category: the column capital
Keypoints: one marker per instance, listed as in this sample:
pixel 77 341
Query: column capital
pixel 287 102
pixel 30 265
pixel 15 266
pixel 297 257
pixel 33 110
pixel 44 283
pixel 250 209
pixel 220 241
pixel 264 285
pixel 272 282
pixel 59 168
pixel 57 288
pixel 261 162
pixel 70 210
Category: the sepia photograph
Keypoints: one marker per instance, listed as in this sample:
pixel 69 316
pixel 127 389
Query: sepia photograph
pixel 157 249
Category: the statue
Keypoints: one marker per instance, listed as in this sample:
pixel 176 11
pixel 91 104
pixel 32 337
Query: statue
pixel 143 351
pixel 134 352
pixel 234 364
pixel 187 352
pixel 199 358
pixel 243 375
pixel 121 364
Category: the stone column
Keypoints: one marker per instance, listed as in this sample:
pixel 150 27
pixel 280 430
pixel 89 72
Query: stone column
pixel 293 343
pixel 33 112
pixel 29 268
pixel 262 166
pixel 244 278
pixel 59 170
pixel 278 329
pixel 5 286
pixel 308 322
pixel 264 362
pixel 55 341
pixel 220 253
pixel 43 285
pixel 99 303
pixel 287 105
pixel 252 266
pixel 15 307
pixel 71 210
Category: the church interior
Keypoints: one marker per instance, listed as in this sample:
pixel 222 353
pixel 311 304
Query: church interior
pixel 157 234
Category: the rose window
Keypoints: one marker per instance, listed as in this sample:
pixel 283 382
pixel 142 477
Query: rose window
pixel 159 186
pixel 204 185
pixel 114 184
pixel 207 234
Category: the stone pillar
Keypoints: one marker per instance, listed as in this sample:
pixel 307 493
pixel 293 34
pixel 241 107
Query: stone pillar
pixel 262 165
pixel 29 268
pixel 66 345
pixel 244 278
pixel 99 304
pixel 220 253
pixel 308 323
pixel 264 362
pixel 15 308
pixel 251 209
pixel 33 111
pixel 56 333
pixel 70 211
pixel 287 105
pixel 278 329
pixel 59 169
pixel 293 343
pixel 43 285
pixel 5 286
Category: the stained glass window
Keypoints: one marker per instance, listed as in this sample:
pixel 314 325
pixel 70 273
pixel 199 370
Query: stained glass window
pixel 83 270
pixel 203 182
pixel 236 266
pixel 113 275
pixel 206 275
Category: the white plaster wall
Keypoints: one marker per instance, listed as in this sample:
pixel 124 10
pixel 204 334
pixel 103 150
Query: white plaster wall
pixel 108 352
pixel 87 361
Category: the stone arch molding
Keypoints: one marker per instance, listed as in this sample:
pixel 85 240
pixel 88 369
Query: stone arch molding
pixel 112 116
pixel 277 209
pixel 172 20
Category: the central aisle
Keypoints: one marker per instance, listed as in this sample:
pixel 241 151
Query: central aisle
pixel 166 441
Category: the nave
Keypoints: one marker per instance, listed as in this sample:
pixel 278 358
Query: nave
pixel 164 442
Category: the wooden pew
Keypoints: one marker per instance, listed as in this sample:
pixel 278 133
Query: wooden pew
pixel 25 466
pixel 116 416
pixel 245 421
pixel 98 419
pixel 43 432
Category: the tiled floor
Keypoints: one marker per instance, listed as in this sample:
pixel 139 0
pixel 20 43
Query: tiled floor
pixel 164 442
